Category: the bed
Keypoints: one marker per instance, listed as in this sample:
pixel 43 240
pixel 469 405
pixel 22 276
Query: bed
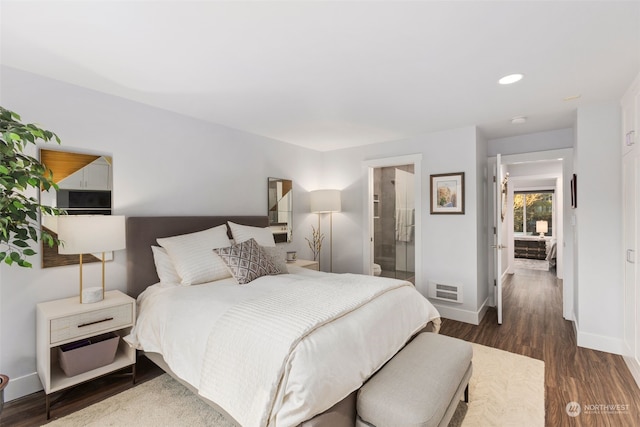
pixel 305 369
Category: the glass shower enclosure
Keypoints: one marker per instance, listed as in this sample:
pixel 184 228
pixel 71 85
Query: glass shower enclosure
pixel 394 222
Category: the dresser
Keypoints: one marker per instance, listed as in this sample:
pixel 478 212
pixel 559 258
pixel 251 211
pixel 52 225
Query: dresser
pixel 530 248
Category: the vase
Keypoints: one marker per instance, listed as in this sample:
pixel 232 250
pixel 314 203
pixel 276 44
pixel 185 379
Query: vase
pixel 4 380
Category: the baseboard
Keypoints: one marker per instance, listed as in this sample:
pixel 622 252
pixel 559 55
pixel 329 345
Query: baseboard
pixel 22 386
pixel 634 368
pixel 483 310
pixel 600 342
pixel 460 315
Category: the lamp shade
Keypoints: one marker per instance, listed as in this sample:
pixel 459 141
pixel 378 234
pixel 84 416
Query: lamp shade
pixel 542 227
pixel 325 201
pixel 81 234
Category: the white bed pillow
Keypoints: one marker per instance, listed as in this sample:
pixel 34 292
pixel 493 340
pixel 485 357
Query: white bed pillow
pixel 193 257
pixel 262 235
pixel 164 267
pixel 247 261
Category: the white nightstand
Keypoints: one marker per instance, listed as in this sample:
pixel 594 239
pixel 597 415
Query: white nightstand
pixel 305 263
pixel 63 321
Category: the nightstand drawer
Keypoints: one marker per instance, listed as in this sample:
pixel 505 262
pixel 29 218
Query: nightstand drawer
pixel 77 325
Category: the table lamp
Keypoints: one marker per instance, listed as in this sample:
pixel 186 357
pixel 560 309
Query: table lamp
pixel 85 234
pixel 542 227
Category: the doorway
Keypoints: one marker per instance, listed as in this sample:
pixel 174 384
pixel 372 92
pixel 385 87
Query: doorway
pixel 537 173
pixel 394 222
pixel 392 209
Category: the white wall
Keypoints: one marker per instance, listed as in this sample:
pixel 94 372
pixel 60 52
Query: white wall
pixel 539 141
pixel 599 228
pixel 164 164
pixel 450 243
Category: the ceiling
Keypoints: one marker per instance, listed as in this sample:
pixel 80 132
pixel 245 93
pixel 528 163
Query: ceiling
pixel 335 74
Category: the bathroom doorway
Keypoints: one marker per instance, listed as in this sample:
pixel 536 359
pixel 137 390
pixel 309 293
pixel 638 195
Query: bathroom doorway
pixel 393 212
pixel 394 222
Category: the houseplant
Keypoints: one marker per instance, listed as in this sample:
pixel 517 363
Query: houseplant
pixel 19 173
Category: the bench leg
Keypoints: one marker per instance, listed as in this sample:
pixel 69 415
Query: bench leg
pixel 466 394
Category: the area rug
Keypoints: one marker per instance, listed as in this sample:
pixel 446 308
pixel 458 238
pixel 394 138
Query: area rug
pixel 531 264
pixel 506 389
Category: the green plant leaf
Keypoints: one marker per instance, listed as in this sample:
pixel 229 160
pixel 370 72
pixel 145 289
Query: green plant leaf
pixel 19 172
pixel 20 244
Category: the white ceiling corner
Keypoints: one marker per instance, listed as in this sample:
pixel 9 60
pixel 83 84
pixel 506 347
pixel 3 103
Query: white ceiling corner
pixel 335 74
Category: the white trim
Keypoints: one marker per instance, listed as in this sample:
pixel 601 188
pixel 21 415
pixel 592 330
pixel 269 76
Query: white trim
pixel 634 367
pixel 22 386
pixel 460 315
pixel 597 342
pixel 368 166
pixel 600 342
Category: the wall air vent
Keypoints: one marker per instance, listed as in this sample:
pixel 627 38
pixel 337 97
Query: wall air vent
pixel 451 293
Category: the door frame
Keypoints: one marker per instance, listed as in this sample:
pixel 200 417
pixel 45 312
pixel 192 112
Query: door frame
pixel 367 235
pixel 498 239
pixel 566 222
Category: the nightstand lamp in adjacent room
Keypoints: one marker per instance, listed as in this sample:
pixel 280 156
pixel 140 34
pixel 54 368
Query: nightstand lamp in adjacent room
pixel 87 234
pixel 542 227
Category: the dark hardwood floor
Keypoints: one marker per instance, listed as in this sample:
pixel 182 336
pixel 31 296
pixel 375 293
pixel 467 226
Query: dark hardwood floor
pixel 532 326
pixel 29 411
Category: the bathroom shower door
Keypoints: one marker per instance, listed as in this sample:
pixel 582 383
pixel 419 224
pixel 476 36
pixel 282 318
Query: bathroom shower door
pixel 394 222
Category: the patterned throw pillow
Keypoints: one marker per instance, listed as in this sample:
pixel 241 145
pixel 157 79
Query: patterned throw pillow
pixel 247 261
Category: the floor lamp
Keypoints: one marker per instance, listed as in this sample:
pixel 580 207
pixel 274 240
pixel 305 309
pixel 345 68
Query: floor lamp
pixel 326 201
pixel 86 234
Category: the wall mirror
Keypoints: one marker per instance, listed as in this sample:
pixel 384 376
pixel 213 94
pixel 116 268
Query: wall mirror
pixel 280 208
pixel 85 183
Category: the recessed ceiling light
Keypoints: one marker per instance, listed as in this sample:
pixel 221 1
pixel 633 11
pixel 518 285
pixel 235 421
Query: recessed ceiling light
pixel 518 120
pixel 511 78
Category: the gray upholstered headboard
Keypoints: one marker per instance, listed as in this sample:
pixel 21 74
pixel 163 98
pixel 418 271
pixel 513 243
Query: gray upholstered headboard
pixel 143 231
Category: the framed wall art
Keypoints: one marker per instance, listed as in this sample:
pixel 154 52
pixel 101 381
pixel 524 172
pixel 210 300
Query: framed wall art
pixel 447 193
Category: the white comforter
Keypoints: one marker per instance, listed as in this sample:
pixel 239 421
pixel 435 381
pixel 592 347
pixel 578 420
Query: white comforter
pixel 330 360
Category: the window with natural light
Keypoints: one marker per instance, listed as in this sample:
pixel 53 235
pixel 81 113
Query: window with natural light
pixel 530 207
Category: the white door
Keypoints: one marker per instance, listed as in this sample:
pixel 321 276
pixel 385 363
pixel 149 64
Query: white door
pixel 497 235
pixel 629 170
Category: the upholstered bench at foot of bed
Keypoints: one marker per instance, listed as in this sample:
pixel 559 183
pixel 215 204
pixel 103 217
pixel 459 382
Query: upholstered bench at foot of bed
pixel 421 386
